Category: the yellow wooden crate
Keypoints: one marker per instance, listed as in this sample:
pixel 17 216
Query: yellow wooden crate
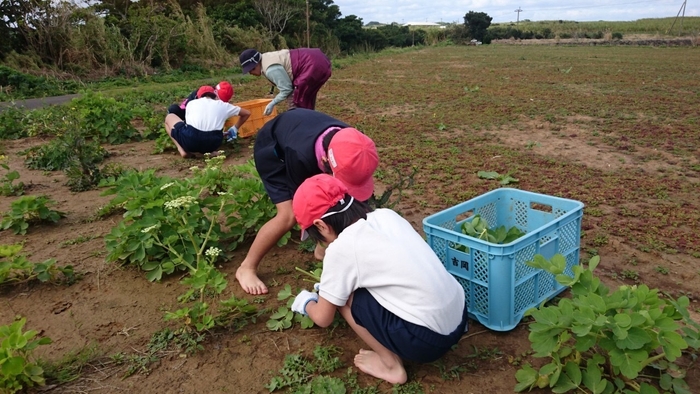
pixel 256 119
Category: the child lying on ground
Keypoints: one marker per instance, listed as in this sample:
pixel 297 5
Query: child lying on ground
pixel 382 277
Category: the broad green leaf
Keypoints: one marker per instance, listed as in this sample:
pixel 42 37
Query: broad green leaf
pixel 581 330
pixel 623 319
pixel 558 263
pixel 584 343
pixel 592 379
pixel 645 388
pixel 629 362
pixel 593 262
pixel 569 379
pixel 672 344
pixel 636 339
pixel 526 377
pixel 285 293
pixel 548 315
pixel 154 275
pixel 12 366
pixel 487 174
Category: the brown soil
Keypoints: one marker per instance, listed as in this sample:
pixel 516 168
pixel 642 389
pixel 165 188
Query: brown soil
pixel 113 310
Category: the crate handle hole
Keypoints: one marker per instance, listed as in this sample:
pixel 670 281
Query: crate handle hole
pixel 464 216
pixel 541 207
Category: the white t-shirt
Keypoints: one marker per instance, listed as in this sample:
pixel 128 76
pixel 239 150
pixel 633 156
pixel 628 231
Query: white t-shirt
pixel 207 114
pixel 386 256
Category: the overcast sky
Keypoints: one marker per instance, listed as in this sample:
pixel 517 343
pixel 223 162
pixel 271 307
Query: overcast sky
pixel 404 11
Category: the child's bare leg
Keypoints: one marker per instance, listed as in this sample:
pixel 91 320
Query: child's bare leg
pixel 379 362
pixel 266 238
pixel 170 121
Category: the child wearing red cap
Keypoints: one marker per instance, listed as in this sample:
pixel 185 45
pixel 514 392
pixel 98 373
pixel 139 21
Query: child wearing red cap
pixel 382 277
pixel 202 129
pixel 294 146
pixel 223 90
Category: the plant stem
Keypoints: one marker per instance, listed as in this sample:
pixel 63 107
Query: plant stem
pixel 652 359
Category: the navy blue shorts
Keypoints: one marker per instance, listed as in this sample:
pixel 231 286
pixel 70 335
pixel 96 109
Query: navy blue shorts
pixel 407 340
pixel 195 141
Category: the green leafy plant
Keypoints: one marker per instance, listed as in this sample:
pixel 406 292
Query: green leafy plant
pixel 18 371
pixel 168 224
pixel 68 150
pixel 12 123
pixel 603 341
pixel 401 182
pixel 16 268
pixel 7 185
pixel 479 228
pixel 304 375
pixel 283 318
pixel 502 179
pixel 206 283
pixel 28 210
pixel 105 118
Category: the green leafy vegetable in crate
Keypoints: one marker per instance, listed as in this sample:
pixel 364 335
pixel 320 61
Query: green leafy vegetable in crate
pixel 478 227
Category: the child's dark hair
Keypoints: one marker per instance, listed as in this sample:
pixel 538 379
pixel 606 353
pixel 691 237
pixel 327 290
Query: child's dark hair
pixel 338 222
pixel 210 95
pixel 326 143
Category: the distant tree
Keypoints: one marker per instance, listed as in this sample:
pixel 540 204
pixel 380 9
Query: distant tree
pixel 477 23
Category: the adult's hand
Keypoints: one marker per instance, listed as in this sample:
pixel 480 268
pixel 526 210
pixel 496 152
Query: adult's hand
pixel 269 108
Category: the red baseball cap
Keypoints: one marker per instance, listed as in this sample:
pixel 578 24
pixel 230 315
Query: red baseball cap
pixel 353 158
pixel 225 91
pixel 204 90
pixel 315 197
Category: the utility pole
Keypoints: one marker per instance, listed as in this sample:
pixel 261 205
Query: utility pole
pixel 518 11
pixel 308 37
pixel 680 29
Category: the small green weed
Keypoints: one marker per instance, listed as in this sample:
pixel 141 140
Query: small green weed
pixel 630 274
pixel 79 240
pixel 661 269
pixel 303 375
pixel 7 185
pixel 502 179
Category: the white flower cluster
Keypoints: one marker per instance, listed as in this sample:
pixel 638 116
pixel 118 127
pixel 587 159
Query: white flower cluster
pixel 184 201
pixel 194 168
pixel 213 252
pixel 167 185
pixel 148 229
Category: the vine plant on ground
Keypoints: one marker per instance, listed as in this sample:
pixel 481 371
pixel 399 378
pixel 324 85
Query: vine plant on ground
pixel 28 210
pixel 169 224
pixel 626 341
pixel 15 268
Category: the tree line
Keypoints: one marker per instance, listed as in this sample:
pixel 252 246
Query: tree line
pixel 130 38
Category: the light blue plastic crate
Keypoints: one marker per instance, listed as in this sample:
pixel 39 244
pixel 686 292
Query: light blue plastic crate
pixel 498 286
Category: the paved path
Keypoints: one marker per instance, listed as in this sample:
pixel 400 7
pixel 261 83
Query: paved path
pixel 39 102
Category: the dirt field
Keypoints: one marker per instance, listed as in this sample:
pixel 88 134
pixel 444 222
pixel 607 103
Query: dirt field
pixel 616 132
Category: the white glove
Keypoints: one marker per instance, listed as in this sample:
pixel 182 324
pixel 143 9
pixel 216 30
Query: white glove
pixel 269 108
pixel 231 133
pixel 317 287
pixel 303 298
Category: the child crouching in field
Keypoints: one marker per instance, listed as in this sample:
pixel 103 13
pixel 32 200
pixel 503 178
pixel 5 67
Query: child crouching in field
pixel 382 277
pixel 202 129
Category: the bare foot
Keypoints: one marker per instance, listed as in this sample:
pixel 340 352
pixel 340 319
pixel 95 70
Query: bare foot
pixel 391 370
pixel 250 282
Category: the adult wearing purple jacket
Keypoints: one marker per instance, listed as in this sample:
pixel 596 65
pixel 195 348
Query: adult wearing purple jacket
pixel 297 73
